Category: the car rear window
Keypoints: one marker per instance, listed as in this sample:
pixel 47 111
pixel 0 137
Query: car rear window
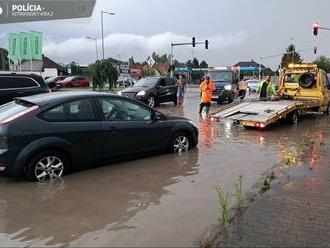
pixel 17 82
pixel 13 108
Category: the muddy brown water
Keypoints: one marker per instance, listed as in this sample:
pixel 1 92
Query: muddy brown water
pixel 164 200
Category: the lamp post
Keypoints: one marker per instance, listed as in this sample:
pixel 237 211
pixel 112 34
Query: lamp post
pixel 96 48
pixel 109 13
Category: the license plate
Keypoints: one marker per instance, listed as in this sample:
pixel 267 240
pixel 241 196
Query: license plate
pixel 248 123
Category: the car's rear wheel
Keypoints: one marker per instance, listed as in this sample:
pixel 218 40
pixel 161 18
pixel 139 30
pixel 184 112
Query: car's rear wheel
pixel 293 118
pixel 151 101
pixel 180 143
pixel 47 165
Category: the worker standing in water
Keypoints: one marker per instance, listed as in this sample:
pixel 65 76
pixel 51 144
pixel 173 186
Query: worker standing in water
pixel 266 89
pixel 207 87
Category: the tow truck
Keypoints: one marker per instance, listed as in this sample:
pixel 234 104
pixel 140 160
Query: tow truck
pixel 303 88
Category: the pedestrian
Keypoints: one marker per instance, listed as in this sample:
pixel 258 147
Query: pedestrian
pixel 207 87
pixel 242 88
pixel 182 85
pixel 266 89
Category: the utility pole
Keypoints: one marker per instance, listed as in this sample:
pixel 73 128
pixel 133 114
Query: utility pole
pixel 102 29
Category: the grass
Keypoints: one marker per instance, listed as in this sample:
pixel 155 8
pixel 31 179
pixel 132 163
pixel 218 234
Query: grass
pixel 223 206
pixel 239 193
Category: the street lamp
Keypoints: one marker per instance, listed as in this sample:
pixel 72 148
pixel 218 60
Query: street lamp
pixel 109 13
pixel 97 52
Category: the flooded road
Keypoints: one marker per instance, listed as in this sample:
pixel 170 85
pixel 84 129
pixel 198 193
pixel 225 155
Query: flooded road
pixel 165 200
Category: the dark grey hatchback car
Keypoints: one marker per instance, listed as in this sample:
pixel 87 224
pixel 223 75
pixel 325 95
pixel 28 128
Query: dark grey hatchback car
pixel 44 136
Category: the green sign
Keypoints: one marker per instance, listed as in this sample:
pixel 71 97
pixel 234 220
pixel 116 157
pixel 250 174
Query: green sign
pixel 25 45
pixel 36 45
pixel 14 47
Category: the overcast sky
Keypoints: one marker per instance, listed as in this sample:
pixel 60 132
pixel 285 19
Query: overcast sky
pixel 237 30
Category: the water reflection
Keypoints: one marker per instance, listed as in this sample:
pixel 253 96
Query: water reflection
pixel 54 214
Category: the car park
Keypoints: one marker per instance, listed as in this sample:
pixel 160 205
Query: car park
pixel 75 81
pixel 52 82
pixel 47 135
pixel 19 85
pixel 153 90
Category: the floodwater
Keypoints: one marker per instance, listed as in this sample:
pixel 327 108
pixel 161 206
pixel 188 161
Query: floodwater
pixel 165 200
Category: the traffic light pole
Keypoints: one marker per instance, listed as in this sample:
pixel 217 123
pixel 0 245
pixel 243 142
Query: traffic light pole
pixel 181 44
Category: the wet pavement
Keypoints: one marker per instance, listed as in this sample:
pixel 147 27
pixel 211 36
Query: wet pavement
pixel 165 200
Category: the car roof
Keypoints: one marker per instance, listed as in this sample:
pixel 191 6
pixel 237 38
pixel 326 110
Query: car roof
pixel 43 99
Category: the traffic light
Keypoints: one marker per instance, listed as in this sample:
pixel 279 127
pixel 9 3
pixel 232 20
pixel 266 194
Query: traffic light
pixel 193 41
pixel 206 44
pixel 316 28
pixel 315 50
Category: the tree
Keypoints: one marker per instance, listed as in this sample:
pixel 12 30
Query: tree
pixel 103 72
pixel 195 63
pixel 75 68
pixel 291 56
pixel 323 63
pixel 189 64
pixel 164 58
pixel 203 64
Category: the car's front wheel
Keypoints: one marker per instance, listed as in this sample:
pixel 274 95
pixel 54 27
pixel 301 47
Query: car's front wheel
pixel 151 101
pixel 180 143
pixel 47 165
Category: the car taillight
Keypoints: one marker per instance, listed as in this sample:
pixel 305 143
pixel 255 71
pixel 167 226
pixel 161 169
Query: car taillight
pixel 260 124
pixel 14 117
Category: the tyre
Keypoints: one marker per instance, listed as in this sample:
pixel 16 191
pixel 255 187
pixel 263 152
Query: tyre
pixel 220 101
pixel 47 165
pixel 151 101
pixel 181 142
pixel 292 118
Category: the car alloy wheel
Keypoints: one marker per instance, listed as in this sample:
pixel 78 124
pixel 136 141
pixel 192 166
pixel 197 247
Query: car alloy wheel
pixel 151 101
pixel 48 167
pixel 181 144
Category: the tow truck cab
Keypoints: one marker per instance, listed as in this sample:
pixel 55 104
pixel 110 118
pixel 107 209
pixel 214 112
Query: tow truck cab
pixel 226 82
pixel 305 82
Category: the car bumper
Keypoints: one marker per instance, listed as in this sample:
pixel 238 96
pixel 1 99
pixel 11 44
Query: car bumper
pixel 7 162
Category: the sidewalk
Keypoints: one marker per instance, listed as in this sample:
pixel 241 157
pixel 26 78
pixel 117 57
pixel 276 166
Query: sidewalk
pixel 295 212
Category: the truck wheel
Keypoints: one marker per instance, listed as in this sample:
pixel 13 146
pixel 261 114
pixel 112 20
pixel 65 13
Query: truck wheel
pixel 292 118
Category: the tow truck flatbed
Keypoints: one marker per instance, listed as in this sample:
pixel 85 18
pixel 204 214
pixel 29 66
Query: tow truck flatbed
pixel 263 113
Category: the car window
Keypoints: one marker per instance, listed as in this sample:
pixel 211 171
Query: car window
pixel 170 82
pixel 78 110
pixel 17 82
pixel 162 82
pixel 123 110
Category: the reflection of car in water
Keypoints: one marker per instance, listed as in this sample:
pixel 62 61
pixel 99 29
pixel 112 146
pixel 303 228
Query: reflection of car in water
pixel 60 214
pixel 226 82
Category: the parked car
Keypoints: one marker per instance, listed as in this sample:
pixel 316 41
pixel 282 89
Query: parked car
pixel 52 82
pixel 18 85
pixel 47 135
pixel 153 90
pixel 75 81
pixel 253 85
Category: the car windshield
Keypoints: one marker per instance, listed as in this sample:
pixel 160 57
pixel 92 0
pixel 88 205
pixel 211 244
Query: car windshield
pixel 291 78
pixel 146 82
pixel 49 80
pixel 68 79
pixel 221 76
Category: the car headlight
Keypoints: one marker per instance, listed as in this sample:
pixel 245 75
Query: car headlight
pixel 119 93
pixel 228 87
pixel 141 93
